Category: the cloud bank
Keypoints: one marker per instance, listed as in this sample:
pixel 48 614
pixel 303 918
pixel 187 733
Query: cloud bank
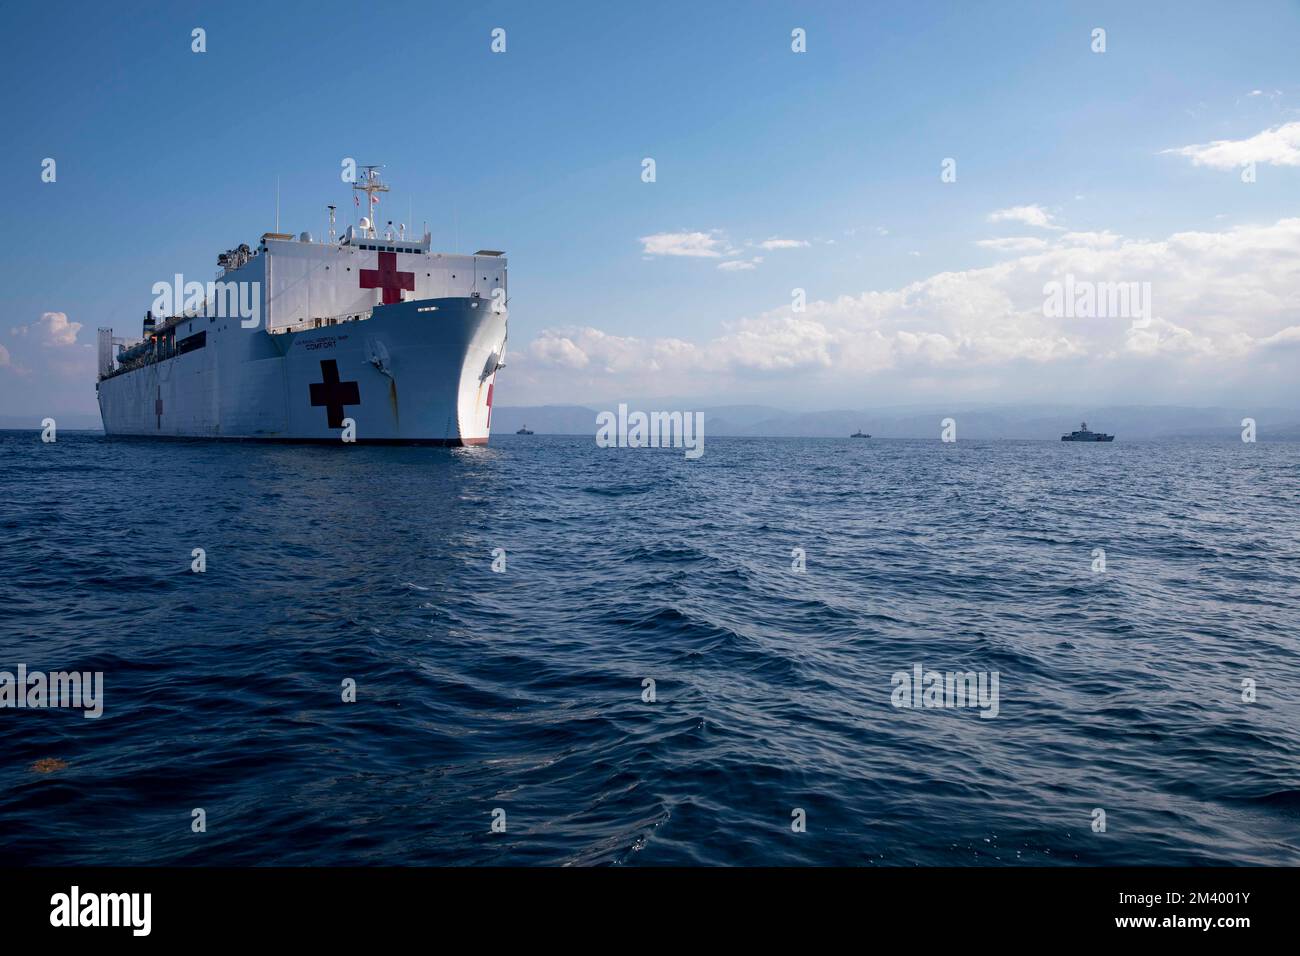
pixel 1226 309
pixel 1279 146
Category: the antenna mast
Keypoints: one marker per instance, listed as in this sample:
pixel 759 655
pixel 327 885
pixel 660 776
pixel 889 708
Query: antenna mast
pixel 371 184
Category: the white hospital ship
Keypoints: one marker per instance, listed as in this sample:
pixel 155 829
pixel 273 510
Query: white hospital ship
pixel 367 336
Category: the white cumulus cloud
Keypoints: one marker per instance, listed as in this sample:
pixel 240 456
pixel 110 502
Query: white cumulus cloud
pixel 1013 244
pixel 1032 215
pixel 1279 146
pixel 703 245
pixel 52 329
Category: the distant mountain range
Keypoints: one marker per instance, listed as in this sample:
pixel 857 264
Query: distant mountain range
pixel 1047 422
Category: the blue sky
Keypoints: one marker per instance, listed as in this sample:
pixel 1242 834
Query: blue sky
pixel 166 157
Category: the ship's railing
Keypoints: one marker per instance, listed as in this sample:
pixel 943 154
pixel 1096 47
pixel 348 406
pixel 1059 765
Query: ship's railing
pixel 320 322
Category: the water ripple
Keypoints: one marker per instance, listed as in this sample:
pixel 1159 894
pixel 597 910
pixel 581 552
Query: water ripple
pixel 627 571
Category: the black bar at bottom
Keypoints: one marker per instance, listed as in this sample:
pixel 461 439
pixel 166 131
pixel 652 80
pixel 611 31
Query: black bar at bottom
pixel 205 905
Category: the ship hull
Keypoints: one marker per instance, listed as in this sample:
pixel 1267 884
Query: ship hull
pixel 417 372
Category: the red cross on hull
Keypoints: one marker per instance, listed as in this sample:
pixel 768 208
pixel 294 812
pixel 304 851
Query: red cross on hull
pixel 387 277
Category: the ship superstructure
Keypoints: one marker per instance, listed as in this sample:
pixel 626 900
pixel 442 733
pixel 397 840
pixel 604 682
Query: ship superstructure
pixel 369 335
pixel 1083 434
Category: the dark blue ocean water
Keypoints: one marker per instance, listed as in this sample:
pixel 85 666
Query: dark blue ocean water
pixel 522 690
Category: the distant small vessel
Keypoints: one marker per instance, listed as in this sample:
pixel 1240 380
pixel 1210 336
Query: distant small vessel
pixel 1084 435
pixel 859 434
pixel 523 431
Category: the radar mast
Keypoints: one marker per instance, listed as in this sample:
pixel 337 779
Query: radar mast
pixel 370 184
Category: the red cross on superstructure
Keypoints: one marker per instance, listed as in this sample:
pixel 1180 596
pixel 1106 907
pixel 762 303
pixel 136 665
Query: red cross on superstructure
pixel 387 277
